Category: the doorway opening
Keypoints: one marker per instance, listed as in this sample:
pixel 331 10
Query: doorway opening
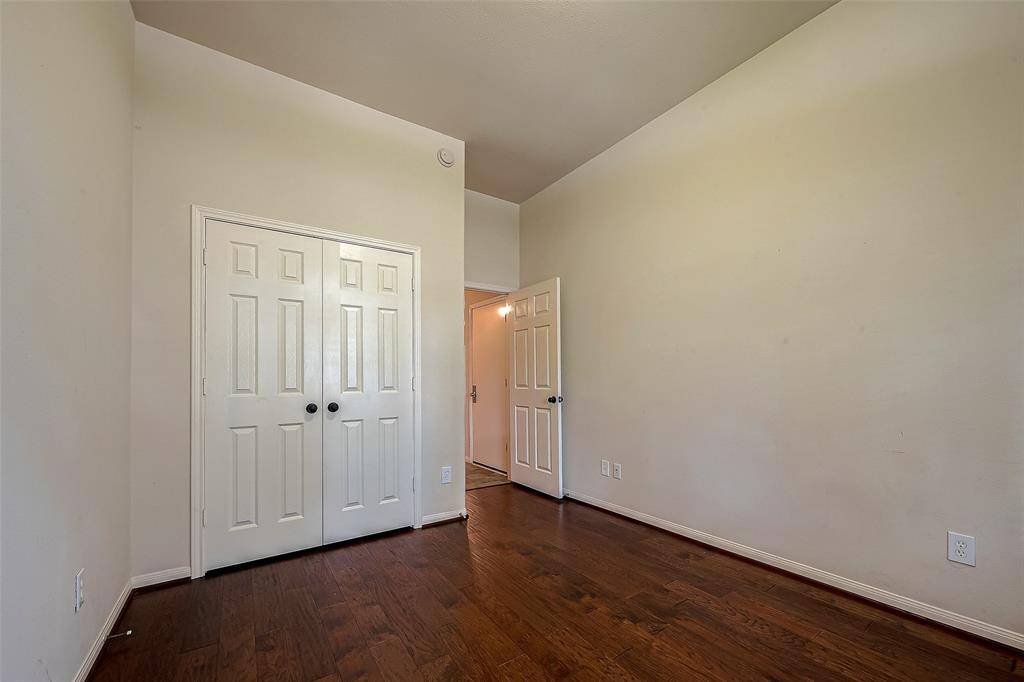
pixel 487 412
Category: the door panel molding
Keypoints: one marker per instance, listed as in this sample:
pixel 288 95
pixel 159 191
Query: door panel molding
pixel 289 269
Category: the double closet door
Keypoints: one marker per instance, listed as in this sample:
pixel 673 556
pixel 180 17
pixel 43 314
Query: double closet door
pixel 308 392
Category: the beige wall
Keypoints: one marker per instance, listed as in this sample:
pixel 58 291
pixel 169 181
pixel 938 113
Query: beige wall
pixel 792 305
pixel 492 241
pixel 66 224
pixel 216 131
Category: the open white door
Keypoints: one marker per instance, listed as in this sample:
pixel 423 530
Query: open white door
pixel 535 381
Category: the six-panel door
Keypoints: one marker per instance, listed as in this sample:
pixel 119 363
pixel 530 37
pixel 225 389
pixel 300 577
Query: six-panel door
pixel 368 373
pixel 534 388
pixel 263 465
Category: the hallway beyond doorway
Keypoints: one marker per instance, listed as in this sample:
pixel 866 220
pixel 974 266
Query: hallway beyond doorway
pixel 482 477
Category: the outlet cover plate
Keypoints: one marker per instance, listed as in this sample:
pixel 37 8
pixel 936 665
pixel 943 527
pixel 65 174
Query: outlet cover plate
pixel 446 474
pixel 606 468
pixel 618 470
pixel 960 548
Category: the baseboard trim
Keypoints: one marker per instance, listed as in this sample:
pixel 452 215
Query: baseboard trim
pixel 431 519
pixel 158 577
pixel 896 601
pixel 101 638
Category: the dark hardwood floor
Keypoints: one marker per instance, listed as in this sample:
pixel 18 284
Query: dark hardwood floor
pixel 528 589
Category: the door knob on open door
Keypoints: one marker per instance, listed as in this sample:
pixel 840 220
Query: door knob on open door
pixel 555 399
pixel 311 408
pixel 332 407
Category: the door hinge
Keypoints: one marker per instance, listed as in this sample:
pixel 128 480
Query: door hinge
pixel 204 255
pixel 414 284
pixel 414 383
pixel 204 385
pixel 414 484
pixel 204 517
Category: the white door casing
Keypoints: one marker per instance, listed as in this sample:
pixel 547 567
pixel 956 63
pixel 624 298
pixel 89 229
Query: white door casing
pixel 368 374
pixel 263 340
pixel 535 400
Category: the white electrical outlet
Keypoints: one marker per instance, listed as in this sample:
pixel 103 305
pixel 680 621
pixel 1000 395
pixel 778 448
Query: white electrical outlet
pixel 618 470
pixel 606 468
pixel 960 548
pixel 446 474
pixel 79 590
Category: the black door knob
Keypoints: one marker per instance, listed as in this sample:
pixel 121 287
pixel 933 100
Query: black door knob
pixel 555 399
pixel 311 408
pixel 332 407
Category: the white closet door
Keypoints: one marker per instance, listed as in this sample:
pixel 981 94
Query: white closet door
pixel 368 366
pixel 263 466
pixel 534 388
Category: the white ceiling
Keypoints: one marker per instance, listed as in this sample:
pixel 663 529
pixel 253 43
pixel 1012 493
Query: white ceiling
pixel 535 89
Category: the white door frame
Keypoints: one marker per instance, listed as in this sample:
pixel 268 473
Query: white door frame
pixel 472 307
pixel 200 214
pixel 496 288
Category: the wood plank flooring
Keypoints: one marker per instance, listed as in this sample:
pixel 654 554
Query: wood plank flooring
pixel 527 589
pixel 481 477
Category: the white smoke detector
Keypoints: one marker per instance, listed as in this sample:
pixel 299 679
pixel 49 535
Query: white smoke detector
pixel 445 157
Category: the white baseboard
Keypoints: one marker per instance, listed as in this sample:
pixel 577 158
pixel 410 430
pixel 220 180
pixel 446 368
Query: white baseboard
pixel 443 516
pixel 897 601
pixel 164 576
pixel 101 638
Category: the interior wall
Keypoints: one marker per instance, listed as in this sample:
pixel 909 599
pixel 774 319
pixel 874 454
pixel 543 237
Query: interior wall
pixel 792 304
pixel 492 242
pixel 66 216
pixel 215 131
